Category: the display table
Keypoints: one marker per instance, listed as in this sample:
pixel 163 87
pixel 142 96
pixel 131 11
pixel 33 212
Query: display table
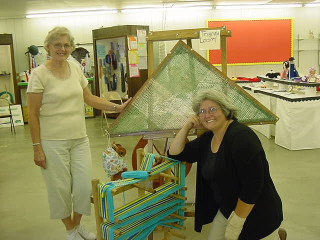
pixel 310 88
pixel 299 115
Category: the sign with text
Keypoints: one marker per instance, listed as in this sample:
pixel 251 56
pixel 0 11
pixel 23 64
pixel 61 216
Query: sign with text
pixel 209 39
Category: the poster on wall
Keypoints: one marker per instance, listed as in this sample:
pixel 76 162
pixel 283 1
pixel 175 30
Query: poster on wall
pixel 142 35
pixel 143 62
pixel 132 43
pixel 133 57
pixel 255 41
pixel 101 51
pixel 142 49
pixel 134 70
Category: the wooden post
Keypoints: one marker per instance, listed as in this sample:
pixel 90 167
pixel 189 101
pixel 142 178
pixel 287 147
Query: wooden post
pixel 223 45
pixel 189 42
pixel 99 219
pixel 140 153
pixel 150 58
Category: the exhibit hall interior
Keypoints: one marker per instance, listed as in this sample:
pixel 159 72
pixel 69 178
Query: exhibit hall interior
pixel 160 119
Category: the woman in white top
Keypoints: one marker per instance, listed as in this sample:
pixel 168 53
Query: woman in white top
pixel 57 91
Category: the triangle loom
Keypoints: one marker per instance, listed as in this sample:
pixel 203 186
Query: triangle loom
pixel 164 102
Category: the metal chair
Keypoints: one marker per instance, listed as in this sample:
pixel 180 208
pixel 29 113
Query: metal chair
pixel 7 113
pixel 110 96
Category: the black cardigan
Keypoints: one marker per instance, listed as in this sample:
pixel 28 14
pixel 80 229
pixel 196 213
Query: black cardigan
pixel 241 171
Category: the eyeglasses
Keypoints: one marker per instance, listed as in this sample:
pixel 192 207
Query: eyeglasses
pixel 59 46
pixel 211 110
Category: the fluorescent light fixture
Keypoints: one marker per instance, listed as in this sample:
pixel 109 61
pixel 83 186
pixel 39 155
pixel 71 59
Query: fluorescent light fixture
pixel 189 8
pixel 316 4
pixel 171 9
pixel 249 6
pixel 134 10
pixel 71 13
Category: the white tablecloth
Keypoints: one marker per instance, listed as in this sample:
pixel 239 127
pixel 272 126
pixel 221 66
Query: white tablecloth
pixel 299 122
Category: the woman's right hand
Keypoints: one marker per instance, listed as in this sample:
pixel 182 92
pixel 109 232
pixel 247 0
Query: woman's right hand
pixel 39 157
pixel 193 122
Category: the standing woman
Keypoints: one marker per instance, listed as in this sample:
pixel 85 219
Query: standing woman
pixel 234 189
pixel 57 91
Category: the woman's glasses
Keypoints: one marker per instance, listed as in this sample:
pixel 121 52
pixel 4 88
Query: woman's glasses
pixel 59 46
pixel 211 110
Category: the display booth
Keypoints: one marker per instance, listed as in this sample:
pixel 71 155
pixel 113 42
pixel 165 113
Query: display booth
pixel 120 54
pixel 8 84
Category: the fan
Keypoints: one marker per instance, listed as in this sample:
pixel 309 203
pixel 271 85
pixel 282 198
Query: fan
pixel 33 50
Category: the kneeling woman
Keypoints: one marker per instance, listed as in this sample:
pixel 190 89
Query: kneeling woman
pixel 234 189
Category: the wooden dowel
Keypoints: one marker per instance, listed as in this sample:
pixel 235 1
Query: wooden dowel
pixel 189 214
pixel 117 220
pixel 145 189
pixel 169 176
pixel 178 216
pixel 177 226
pixel 178 196
pixel 121 189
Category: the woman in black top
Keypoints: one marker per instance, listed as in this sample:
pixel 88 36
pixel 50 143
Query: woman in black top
pixel 234 189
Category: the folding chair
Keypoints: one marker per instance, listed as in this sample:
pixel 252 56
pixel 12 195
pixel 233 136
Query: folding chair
pixel 7 113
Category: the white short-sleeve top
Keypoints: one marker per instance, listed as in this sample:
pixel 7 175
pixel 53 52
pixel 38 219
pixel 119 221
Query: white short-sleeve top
pixel 62 109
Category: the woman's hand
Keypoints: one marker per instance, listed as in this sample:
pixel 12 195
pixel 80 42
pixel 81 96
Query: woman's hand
pixel 234 227
pixel 39 157
pixel 193 122
pixel 179 141
pixel 123 106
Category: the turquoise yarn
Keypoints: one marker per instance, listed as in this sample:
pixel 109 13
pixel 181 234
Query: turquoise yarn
pixel 135 174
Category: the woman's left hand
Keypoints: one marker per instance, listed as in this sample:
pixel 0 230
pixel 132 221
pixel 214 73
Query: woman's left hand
pixel 123 106
pixel 234 227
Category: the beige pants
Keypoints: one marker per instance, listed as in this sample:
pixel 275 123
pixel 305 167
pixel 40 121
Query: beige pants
pixel 218 228
pixel 68 176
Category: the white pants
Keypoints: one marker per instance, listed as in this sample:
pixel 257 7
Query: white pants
pixel 218 228
pixel 68 176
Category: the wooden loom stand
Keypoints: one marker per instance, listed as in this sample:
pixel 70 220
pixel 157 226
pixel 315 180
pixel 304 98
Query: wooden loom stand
pixel 187 34
pixel 166 178
pixel 141 192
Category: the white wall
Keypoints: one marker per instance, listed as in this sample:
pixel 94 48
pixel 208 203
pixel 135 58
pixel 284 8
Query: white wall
pixel 28 32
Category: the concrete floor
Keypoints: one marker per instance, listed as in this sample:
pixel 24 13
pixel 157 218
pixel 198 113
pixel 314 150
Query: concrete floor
pixel 24 207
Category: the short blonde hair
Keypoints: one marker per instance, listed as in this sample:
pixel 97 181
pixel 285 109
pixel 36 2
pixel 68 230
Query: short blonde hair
pixel 56 33
pixel 229 110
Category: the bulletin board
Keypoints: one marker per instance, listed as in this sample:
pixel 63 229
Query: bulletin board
pixel 260 41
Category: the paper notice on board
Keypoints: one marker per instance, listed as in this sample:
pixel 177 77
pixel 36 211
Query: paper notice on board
pixel 142 49
pixel 132 43
pixel 101 51
pixel 143 62
pixel 134 70
pixel 142 35
pixel 209 39
pixel 133 57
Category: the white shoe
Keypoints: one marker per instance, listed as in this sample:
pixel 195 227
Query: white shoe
pixel 74 236
pixel 85 234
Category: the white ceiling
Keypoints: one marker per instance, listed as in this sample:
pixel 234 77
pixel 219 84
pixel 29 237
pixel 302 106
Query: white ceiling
pixel 19 8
